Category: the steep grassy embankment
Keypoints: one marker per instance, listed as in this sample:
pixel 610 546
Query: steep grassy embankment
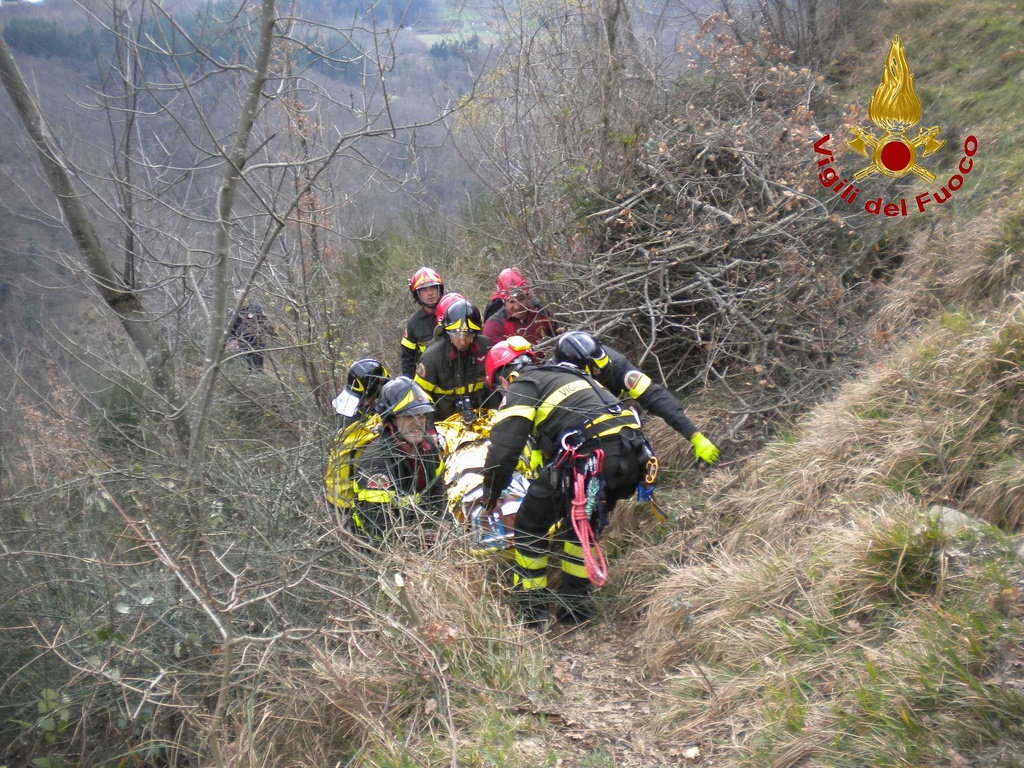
pixel 854 597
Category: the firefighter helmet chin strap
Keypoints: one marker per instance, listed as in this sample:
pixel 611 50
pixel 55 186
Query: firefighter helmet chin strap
pixel 512 374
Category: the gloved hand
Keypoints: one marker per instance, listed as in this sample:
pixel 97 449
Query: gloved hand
pixel 704 449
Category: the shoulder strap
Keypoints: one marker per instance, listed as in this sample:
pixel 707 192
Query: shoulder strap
pixel 606 397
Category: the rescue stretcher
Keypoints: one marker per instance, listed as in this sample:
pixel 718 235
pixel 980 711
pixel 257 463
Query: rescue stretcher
pixel 464 439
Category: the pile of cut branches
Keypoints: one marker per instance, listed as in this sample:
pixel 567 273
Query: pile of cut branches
pixel 720 264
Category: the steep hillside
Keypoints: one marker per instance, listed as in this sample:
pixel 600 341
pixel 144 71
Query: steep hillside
pixel 853 595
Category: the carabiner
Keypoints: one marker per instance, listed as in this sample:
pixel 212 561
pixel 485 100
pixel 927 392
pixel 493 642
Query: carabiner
pixel 577 436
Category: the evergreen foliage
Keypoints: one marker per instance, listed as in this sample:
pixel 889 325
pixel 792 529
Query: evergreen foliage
pixel 456 49
pixel 188 38
pixel 42 37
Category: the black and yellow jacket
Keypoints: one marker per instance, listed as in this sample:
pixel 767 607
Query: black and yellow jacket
pixel 623 379
pixel 548 402
pixel 348 445
pixel 448 375
pixel 396 483
pixel 419 330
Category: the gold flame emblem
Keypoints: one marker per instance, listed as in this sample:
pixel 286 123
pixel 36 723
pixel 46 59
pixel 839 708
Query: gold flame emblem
pixel 895 109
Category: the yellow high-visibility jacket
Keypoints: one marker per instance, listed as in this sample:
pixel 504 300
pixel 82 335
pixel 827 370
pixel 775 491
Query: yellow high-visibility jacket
pixel 345 451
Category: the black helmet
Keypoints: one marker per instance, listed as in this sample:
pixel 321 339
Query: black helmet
pixel 461 316
pixel 582 350
pixel 366 377
pixel 403 397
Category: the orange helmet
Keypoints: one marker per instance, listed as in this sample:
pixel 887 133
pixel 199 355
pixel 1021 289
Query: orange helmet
pixel 424 277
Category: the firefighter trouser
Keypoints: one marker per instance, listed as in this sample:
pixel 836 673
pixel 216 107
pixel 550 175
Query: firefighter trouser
pixel 549 500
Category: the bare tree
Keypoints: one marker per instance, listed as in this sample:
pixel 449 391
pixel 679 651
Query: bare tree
pixel 705 253
pixel 811 30
pixel 231 137
pixel 110 285
pixel 196 201
pixel 560 108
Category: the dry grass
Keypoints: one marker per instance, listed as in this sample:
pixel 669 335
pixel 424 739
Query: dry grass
pixel 936 422
pixel 803 609
pixel 972 263
pixel 821 613
pixel 283 641
pixel 851 642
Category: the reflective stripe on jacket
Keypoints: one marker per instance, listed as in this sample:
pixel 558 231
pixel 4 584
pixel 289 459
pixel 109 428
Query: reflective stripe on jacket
pixel 623 379
pixel 419 330
pixel 448 376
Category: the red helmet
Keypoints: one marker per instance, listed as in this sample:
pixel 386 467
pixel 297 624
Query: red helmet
pixel 446 301
pixel 511 283
pixel 424 277
pixel 515 350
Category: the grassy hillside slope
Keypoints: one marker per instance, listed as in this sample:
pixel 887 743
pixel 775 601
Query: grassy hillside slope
pixel 849 596
pixel 854 597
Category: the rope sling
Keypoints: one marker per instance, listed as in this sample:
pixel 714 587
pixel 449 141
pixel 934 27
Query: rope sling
pixel 587 487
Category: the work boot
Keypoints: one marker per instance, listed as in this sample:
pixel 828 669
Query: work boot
pixel 575 604
pixel 531 607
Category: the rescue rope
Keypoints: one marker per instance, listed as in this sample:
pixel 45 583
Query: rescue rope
pixel 586 484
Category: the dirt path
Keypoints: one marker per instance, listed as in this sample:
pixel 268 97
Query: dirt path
pixel 602 715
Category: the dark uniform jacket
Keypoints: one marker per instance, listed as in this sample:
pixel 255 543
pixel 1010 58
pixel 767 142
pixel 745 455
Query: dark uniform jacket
pixel 419 330
pixel 623 379
pixel 448 375
pixel 547 402
pixel 391 478
pixel 251 325
pixel 493 305
pixel 533 325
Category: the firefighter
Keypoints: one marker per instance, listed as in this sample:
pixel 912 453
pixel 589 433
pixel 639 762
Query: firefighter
pixel 582 434
pixel 622 378
pixel 427 288
pixel 513 312
pixel 359 425
pixel 250 331
pixel 446 301
pixel 399 477
pixel 451 371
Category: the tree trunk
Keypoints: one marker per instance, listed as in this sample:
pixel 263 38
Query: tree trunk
pixel 117 295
